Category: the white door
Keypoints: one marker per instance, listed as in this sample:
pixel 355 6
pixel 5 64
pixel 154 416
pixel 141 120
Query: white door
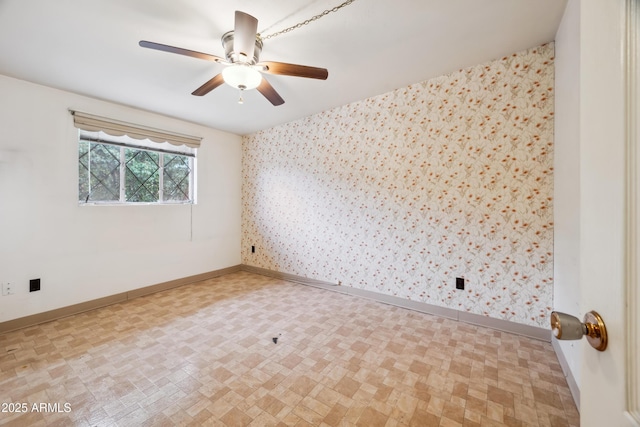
pixel 608 209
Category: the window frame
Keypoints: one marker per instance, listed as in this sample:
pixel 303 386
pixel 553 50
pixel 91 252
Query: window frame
pixel 131 144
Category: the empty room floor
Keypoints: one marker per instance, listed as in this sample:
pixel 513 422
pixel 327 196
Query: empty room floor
pixel 249 350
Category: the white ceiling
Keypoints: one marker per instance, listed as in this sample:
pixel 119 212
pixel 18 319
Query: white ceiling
pixel 370 47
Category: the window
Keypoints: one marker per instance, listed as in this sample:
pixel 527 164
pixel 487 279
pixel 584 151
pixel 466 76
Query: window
pixel 123 163
pixel 122 170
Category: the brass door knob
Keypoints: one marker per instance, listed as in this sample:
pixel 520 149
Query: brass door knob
pixel 568 327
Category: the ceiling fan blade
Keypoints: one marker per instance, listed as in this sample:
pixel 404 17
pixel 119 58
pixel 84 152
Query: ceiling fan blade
pixel 283 69
pixel 181 51
pixel 209 86
pixel 270 93
pixel 244 35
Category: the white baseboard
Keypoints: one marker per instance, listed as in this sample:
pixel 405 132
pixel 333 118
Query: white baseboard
pixel 571 381
pixel 58 313
pixel 462 316
pixel 474 319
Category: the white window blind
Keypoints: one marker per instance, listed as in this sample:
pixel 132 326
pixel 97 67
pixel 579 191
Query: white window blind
pixel 93 123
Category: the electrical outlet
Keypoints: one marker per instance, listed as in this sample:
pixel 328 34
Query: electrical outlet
pixel 460 283
pixel 34 285
pixel 253 249
pixel 7 288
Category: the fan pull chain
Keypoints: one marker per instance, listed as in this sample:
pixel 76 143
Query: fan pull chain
pixel 241 88
pixel 308 21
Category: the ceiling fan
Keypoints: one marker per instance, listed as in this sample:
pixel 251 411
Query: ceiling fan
pixel 243 69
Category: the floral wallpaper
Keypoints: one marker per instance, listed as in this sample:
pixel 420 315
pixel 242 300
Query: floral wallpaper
pixel 403 192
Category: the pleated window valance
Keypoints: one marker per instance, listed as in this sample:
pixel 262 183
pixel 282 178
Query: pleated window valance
pixel 92 123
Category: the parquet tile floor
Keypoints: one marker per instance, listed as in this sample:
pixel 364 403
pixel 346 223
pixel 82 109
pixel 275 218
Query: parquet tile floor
pixel 204 354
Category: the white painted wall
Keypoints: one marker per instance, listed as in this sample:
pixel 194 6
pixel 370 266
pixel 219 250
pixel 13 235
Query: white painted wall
pixel 87 252
pixel 566 248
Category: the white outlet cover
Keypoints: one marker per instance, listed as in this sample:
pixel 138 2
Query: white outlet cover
pixel 7 289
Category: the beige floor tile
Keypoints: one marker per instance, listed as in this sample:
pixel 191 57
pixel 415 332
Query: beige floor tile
pixel 204 354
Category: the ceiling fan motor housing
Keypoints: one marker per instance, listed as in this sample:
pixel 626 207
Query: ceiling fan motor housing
pixel 240 57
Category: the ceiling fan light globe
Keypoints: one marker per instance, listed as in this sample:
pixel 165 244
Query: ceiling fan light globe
pixel 241 75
